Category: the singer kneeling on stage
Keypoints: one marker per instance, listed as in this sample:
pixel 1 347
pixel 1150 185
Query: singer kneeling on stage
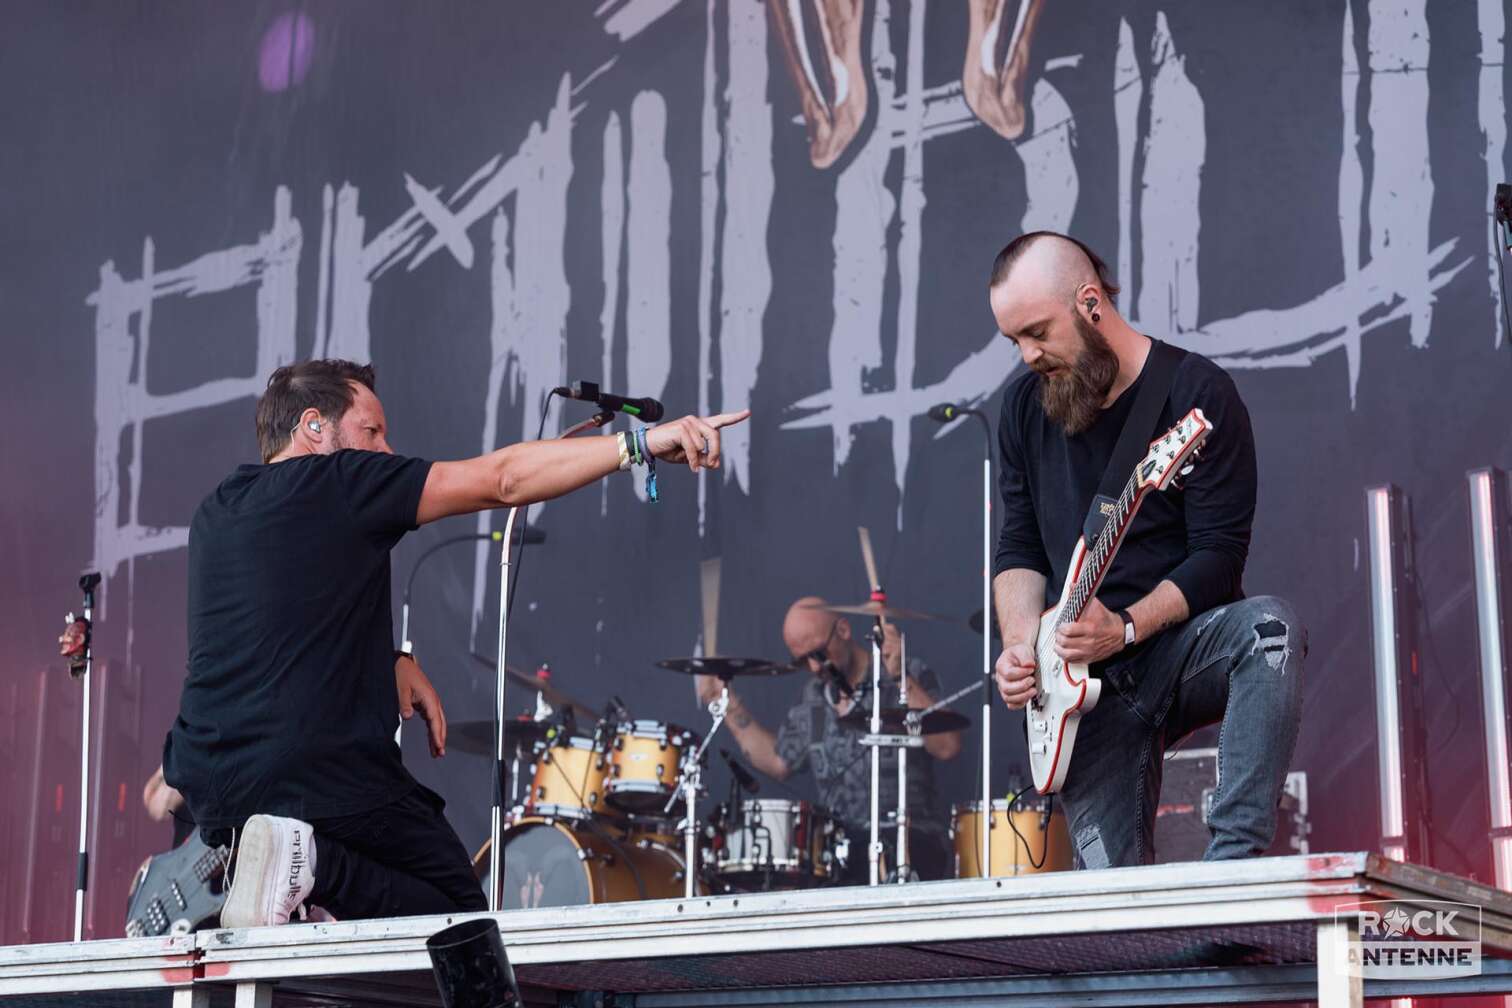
pixel 284 743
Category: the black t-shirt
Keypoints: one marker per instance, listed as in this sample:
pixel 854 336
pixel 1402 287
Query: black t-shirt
pixel 289 707
pixel 1197 537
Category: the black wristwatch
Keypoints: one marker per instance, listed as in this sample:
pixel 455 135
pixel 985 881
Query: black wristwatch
pixel 1128 622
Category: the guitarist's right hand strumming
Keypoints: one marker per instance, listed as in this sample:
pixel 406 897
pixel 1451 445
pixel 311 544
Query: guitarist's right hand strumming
pixel 1015 675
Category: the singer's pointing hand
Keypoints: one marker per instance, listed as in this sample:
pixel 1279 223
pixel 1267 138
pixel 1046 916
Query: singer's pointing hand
pixel 694 440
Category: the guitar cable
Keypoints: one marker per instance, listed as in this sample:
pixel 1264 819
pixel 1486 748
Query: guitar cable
pixel 1045 841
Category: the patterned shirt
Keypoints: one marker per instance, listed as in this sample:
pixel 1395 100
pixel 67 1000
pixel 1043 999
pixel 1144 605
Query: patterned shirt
pixel 811 736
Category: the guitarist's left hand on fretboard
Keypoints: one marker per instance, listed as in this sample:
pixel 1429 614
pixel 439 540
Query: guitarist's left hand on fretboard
pixel 1098 634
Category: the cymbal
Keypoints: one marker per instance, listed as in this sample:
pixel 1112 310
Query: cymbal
pixel 875 609
pixel 893 721
pixel 478 736
pixel 726 668
pixel 975 619
pixel 553 696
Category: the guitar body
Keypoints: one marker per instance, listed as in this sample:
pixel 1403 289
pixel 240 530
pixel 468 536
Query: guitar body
pixel 177 892
pixel 1064 692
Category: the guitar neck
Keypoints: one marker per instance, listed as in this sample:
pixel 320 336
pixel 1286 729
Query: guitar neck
pixel 1099 556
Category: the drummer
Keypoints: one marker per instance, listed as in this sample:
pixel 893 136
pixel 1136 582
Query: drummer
pixel 811 737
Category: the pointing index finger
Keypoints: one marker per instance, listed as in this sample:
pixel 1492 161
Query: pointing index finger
pixel 726 419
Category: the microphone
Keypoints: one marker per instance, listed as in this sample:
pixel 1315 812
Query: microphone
pixel 838 680
pixel 946 412
pixel 743 777
pixel 647 409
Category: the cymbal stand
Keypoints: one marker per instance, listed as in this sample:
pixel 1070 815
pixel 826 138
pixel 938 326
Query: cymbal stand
pixel 874 849
pixel 904 868
pixel 691 786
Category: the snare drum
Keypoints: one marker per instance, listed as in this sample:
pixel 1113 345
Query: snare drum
pixel 568 780
pixel 551 864
pixel 772 843
pixel 645 764
pixel 1038 846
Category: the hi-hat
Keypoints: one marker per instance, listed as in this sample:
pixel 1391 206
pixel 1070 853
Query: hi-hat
pixel 894 721
pixel 725 668
pixel 478 736
pixel 882 609
pixel 553 696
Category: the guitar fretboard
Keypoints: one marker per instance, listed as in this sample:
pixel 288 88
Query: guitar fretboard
pixel 1100 556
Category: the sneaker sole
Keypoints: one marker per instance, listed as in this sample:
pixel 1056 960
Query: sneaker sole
pixel 253 885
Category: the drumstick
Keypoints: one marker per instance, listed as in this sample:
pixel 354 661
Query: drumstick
pixel 870 561
pixel 709 577
pixel 867 558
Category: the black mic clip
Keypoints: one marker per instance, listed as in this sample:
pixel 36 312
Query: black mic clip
pixel 838 680
pixel 743 777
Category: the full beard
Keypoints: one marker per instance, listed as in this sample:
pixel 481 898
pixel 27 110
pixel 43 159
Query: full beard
pixel 1074 396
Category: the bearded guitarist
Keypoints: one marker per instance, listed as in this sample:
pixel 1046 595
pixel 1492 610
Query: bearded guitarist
pixel 1170 633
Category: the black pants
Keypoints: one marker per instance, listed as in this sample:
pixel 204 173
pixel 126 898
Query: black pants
pixel 398 860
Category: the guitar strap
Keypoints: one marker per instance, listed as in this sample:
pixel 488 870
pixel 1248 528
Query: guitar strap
pixel 1138 431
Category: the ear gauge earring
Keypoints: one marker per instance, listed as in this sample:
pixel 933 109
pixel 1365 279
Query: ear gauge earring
pixel 1091 303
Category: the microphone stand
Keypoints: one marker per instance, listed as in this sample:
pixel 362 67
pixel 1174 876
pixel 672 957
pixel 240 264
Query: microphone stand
pixel 946 413
pixel 496 816
pixel 986 820
pixel 79 667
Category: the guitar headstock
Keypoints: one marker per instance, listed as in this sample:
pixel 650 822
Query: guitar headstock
pixel 1172 455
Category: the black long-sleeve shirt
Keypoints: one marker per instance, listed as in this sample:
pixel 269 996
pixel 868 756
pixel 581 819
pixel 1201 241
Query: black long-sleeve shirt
pixel 1197 537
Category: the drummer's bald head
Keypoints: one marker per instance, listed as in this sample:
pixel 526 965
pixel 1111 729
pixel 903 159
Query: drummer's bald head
pixel 806 616
pixel 1050 264
pixel 809 626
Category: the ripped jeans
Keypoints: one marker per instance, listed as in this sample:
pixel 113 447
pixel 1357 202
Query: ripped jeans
pixel 1240 664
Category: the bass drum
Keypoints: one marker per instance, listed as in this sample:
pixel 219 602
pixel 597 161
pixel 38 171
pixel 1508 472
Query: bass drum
pixel 552 864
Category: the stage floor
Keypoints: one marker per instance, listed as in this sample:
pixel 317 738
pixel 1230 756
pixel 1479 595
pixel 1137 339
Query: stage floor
pixel 1234 932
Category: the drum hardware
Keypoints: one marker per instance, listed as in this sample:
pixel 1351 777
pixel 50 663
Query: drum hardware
pixel 902 720
pixel 691 783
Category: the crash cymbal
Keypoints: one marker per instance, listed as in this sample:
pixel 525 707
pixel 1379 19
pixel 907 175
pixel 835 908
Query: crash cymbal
pixel 893 721
pixel 975 619
pixel 882 609
pixel 553 696
pixel 478 736
pixel 725 668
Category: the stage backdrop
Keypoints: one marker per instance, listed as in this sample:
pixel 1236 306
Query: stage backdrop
pixel 790 206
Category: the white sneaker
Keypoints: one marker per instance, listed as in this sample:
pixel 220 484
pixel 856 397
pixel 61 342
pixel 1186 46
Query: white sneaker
pixel 273 873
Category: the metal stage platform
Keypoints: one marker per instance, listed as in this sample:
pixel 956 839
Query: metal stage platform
pixel 1261 931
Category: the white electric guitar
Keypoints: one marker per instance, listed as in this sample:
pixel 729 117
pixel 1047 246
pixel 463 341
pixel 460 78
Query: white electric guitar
pixel 1063 690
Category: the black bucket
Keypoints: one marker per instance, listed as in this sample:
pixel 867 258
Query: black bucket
pixel 471 968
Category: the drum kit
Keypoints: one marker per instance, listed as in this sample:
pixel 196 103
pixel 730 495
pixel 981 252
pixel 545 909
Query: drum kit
pixel 609 813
